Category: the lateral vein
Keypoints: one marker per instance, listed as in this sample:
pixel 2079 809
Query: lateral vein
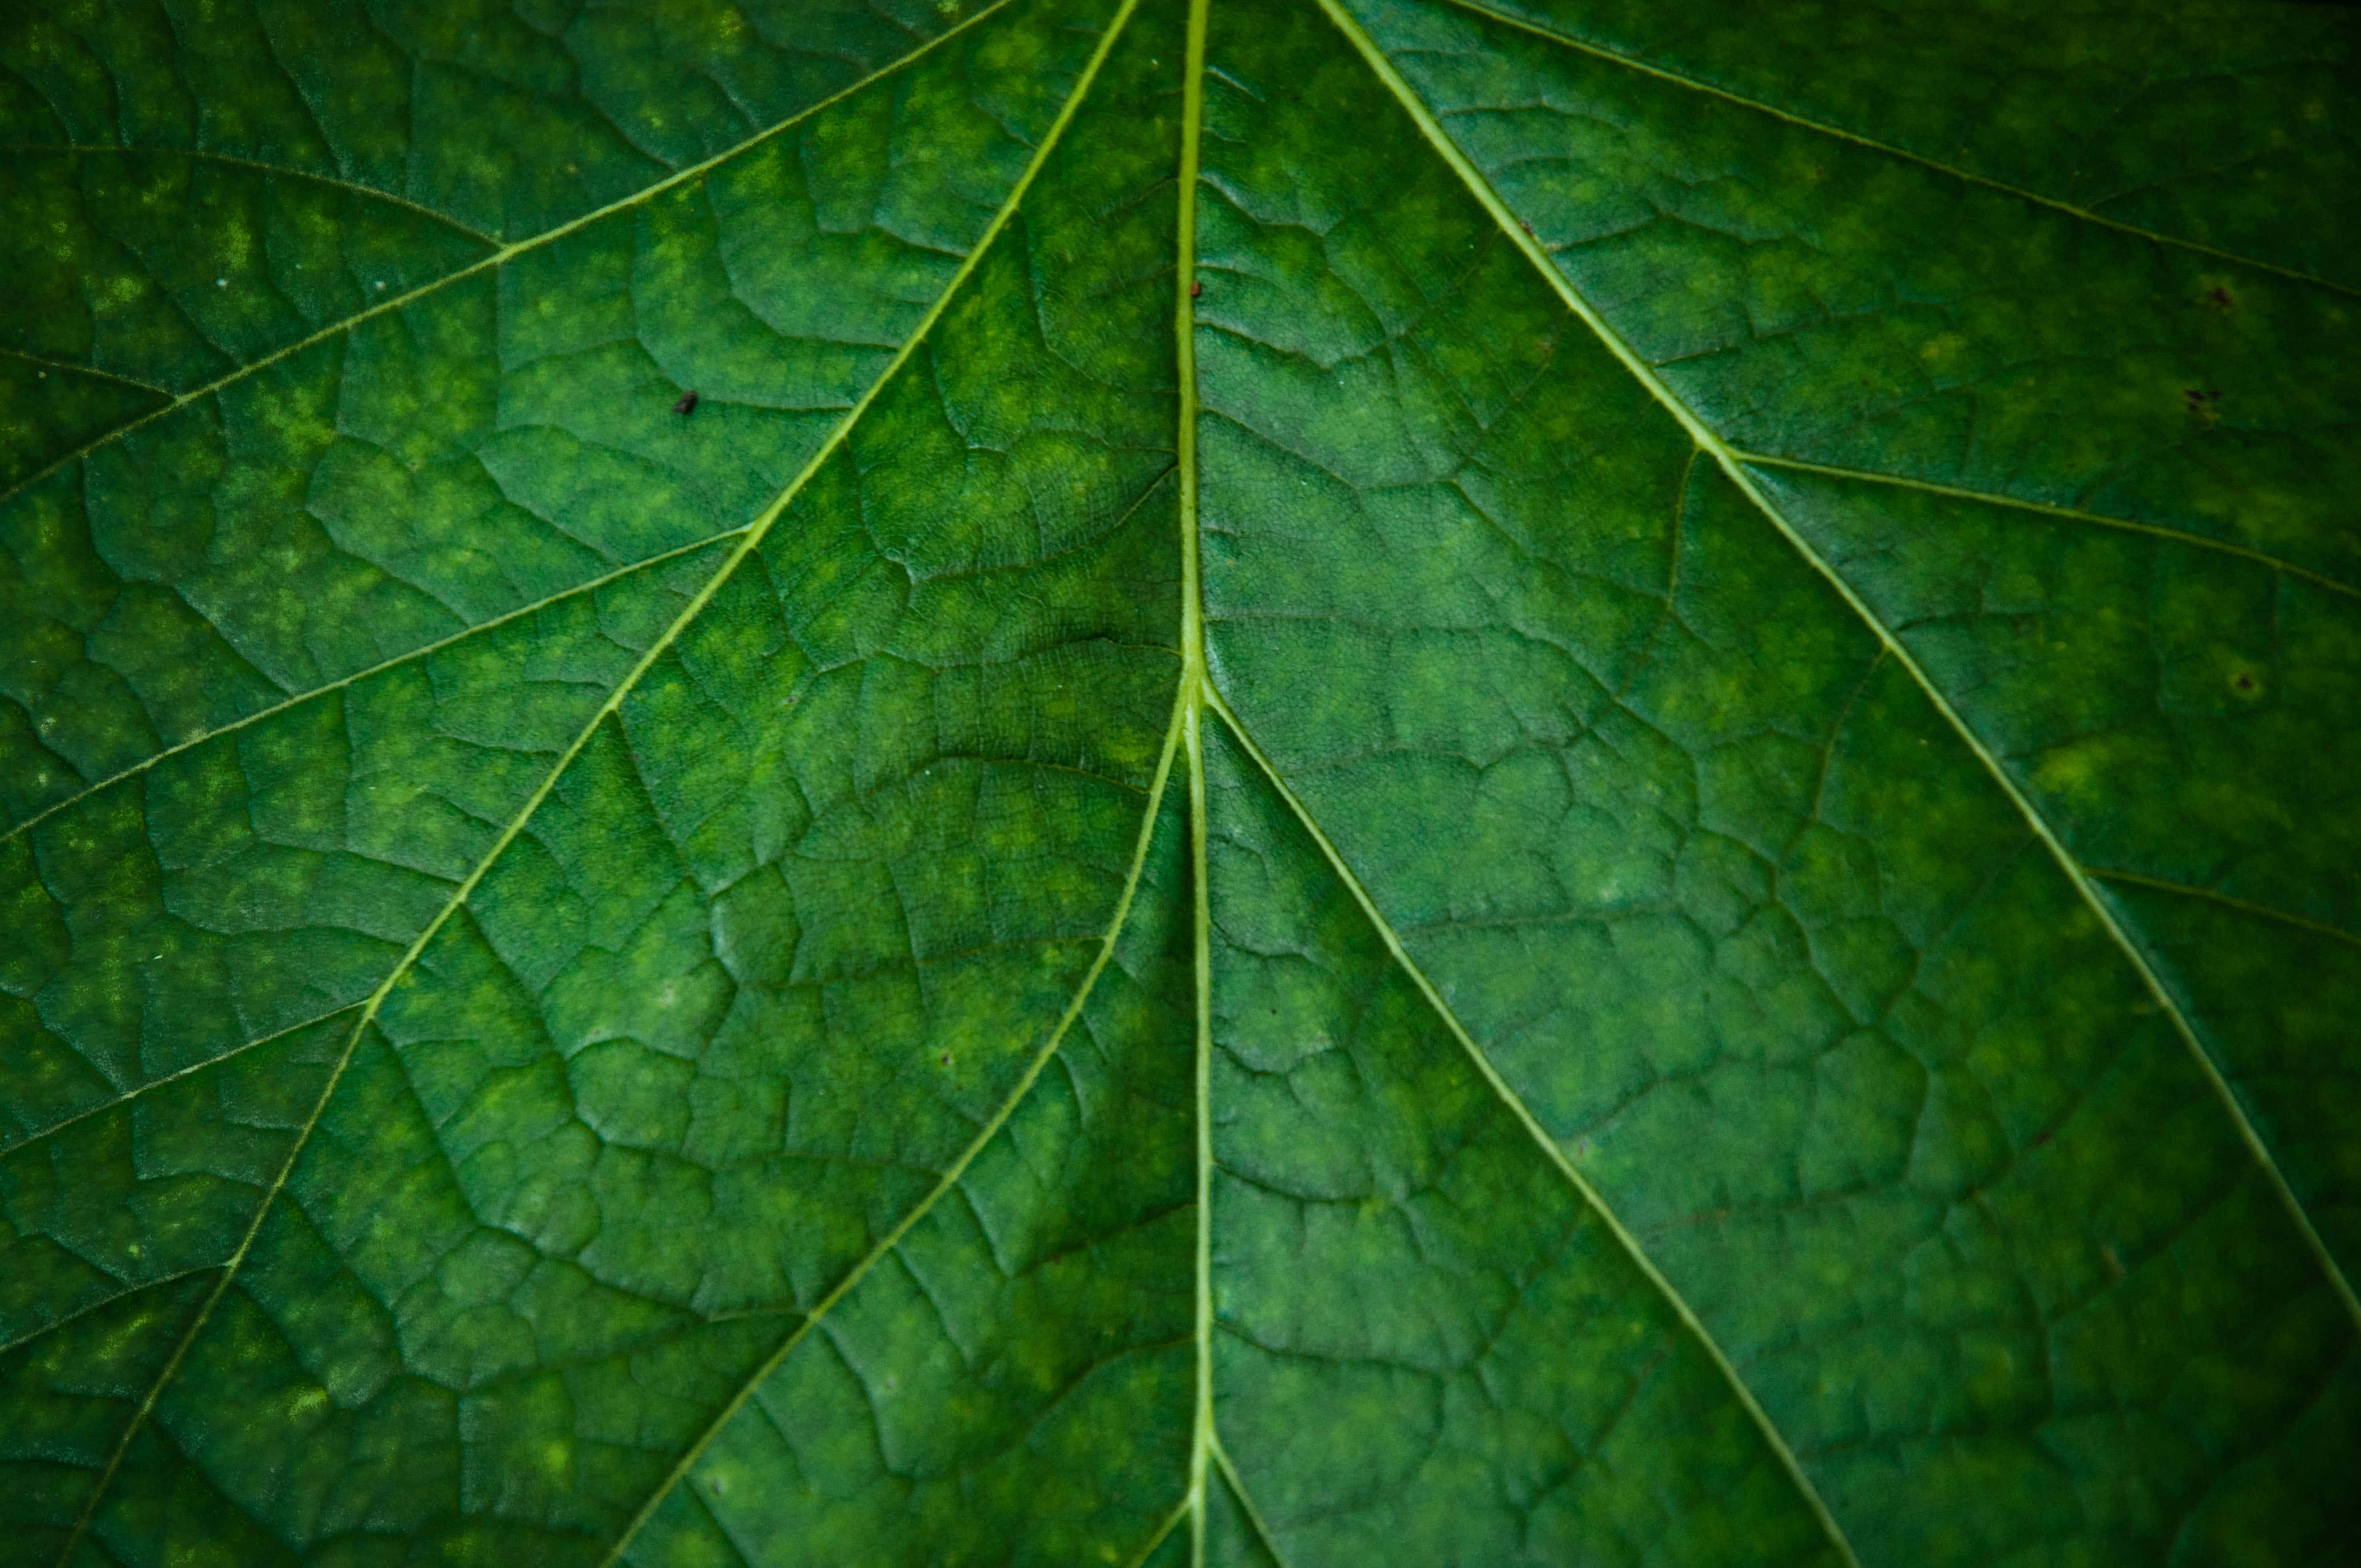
pixel 125 1097
pixel 1481 189
pixel 274 170
pixel 1171 1522
pixel 2207 896
pixel 1532 1124
pixel 424 651
pixel 2055 513
pixel 500 256
pixel 950 1179
pixel 1836 133
pixel 1247 1502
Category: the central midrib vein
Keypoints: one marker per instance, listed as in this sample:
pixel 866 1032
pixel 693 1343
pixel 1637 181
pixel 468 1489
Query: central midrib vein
pixel 1191 696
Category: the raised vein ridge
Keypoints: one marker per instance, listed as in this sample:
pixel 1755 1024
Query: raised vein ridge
pixel 1839 133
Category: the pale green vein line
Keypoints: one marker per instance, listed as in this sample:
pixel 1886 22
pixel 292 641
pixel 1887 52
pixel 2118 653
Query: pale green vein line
pixel 1481 189
pixel 951 1179
pixel 2207 896
pixel 72 369
pixel 1838 133
pixel 748 543
pixel 504 253
pixel 2057 513
pixel 1193 685
pixel 424 651
pixel 128 1095
pixel 1540 1135
pixel 200 155
pixel 103 1302
pixel 1246 1501
pixel 1171 1522
pixel 1202 1428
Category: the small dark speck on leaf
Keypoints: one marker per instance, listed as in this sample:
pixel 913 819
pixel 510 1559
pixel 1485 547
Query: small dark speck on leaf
pixel 687 404
pixel 2245 683
pixel 2219 298
pixel 947 1059
pixel 1195 289
pixel 1525 226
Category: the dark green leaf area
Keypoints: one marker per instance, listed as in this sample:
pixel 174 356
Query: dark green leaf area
pixel 274 874
pixel 1178 783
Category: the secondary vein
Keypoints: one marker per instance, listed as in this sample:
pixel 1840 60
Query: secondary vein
pixel 1247 1502
pixel 1532 1124
pixel 425 649
pixel 2054 513
pixel 1838 133
pixel 505 253
pixel 951 1177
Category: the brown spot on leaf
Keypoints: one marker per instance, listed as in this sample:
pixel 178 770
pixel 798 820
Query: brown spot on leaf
pixel 687 404
pixel 2219 298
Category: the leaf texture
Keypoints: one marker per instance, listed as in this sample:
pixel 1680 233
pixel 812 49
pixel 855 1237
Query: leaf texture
pixel 1179 782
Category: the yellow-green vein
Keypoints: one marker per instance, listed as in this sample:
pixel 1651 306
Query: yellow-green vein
pixel 1532 1124
pixel 1180 1511
pixel 500 256
pixel 2207 896
pixel 424 651
pixel 748 543
pixel 70 368
pixel 126 1096
pixel 1247 1502
pixel 9 1347
pixel 951 1177
pixel 274 170
pixel 1192 682
pixel 2056 513
pixel 1481 189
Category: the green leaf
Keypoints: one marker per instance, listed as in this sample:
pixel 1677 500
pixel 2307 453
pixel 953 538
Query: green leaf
pixel 1180 783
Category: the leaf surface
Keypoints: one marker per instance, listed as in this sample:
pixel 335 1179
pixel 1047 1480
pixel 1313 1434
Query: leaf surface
pixel 1372 780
